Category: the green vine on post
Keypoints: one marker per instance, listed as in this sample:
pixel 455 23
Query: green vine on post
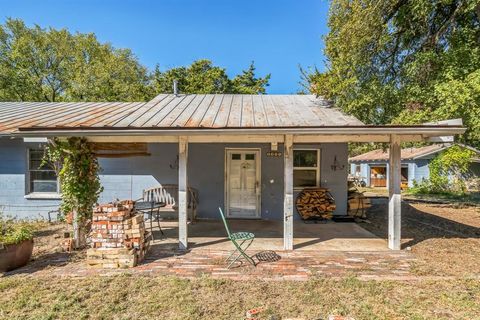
pixel 77 168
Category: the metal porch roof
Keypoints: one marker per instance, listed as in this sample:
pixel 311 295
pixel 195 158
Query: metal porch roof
pixel 177 111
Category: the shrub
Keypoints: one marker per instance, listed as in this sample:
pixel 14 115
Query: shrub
pixel 448 173
pixel 13 231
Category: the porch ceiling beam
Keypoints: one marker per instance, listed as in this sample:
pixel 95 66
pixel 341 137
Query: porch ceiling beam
pixel 182 193
pixel 288 194
pixel 191 139
pixel 352 138
pixel 254 138
pixel 394 192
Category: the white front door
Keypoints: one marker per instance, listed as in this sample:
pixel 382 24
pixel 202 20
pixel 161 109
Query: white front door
pixel 242 183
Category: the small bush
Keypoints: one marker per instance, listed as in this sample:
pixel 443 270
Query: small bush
pixel 448 173
pixel 13 231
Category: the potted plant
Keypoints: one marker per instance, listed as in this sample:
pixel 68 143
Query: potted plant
pixel 16 243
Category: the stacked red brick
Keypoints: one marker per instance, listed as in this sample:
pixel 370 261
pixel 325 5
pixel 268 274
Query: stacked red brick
pixel 118 237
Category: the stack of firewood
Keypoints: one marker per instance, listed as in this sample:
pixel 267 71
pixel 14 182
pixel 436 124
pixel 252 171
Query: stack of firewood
pixel 315 203
pixel 118 237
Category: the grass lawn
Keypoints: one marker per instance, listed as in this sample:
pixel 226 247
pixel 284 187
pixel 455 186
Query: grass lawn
pixel 445 240
pixel 133 297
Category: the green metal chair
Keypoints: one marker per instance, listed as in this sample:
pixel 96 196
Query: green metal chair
pixel 241 241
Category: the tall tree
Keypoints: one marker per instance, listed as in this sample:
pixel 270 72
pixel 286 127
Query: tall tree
pixel 404 61
pixel 204 77
pixel 54 65
pixel 248 83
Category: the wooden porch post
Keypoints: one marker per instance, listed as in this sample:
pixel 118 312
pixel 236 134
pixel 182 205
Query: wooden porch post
pixel 394 191
pixel 288 194
pixel 182 193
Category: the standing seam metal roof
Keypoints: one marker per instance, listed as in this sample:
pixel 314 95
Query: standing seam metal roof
pixel 178 111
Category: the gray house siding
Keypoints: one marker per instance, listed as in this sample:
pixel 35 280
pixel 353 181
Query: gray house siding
pixel 422 170
pixel 353 168
pixel 206 173
pixel 13 166
pixel 411 173
pixel 365 173
pixel 125 178
pixel 336 181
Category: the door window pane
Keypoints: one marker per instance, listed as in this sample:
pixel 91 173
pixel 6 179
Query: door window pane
pixel 305 158
pixel 304 178
pixel 236 156
pixel 250 156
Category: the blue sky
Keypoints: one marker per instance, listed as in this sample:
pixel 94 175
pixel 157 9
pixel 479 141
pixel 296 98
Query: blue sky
pixel 278 35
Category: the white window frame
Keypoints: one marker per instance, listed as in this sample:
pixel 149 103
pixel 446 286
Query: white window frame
pixel 317 168
pixel 29 193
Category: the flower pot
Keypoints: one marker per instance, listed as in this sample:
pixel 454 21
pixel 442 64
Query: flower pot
pixel 14 256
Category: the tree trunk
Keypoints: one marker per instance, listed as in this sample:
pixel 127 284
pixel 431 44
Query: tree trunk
pixel 79 236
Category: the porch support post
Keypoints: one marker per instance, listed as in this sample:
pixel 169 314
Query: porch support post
pixel 394 191
pixel 288 194
pixel 182 193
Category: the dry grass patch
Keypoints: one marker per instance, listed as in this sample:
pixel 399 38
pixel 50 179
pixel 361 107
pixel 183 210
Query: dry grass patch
pixel 136 297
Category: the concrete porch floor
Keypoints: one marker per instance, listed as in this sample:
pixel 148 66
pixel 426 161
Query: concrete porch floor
pixel 331 236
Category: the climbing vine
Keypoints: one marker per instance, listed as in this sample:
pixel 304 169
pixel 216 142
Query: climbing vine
pixel 77 169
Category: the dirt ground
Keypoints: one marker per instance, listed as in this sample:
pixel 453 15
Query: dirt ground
pixel 445 238
pixel 48 250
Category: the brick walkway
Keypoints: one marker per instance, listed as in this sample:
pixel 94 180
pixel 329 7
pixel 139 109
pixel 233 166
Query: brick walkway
pixel 296 265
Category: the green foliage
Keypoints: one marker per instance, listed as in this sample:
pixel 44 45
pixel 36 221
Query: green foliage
pixel 247 83
pixel 448 172
pixel 453 98
pixel 356 148
pixel 39 64
pixel 77 168
pixel 404 61
pixel 14 231
pixel 203 77
pixel 54 65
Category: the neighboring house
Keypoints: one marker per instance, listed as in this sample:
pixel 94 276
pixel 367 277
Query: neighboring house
pixel 371 168
pixel 249 154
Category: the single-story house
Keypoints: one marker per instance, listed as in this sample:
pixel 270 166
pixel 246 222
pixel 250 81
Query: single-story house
pixel 249 154
pixel 371 168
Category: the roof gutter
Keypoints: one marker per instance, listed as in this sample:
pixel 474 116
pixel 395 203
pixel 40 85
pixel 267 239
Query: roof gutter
pixel 429 131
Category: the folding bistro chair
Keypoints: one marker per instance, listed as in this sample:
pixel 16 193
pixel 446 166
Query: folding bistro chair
pixel 241 241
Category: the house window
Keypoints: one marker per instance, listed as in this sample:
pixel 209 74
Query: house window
pixel 358 169
pixel 306 168
pixel 41 177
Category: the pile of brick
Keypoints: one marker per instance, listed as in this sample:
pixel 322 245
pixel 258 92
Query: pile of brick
pixel 118 237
